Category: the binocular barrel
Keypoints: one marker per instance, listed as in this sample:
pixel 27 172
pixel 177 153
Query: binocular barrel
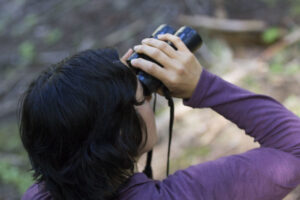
pixel 190 38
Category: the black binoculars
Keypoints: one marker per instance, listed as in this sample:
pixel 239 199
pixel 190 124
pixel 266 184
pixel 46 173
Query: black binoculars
pixel 189 37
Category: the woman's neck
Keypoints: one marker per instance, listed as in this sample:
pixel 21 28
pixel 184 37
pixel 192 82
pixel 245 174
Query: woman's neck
pixel 136 170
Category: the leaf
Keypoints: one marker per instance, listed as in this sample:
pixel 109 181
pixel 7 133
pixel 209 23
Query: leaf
pixel 27 52
pixel 271 35
pixel 53 36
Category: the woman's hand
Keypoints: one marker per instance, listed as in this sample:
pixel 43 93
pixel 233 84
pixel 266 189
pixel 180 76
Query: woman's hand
pixel 181 71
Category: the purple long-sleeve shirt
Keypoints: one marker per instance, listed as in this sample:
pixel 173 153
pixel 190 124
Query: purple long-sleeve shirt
pixel 267 173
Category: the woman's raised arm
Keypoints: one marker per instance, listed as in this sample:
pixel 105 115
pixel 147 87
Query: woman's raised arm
pixel 269 172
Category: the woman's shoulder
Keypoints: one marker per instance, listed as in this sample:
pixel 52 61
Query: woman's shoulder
pixel 137 181
pixel 36 192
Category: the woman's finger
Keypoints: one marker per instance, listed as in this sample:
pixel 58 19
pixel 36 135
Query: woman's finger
pixel 150 67
pixel 126 56
pixel 162 45
pixel 155 54
pixel 178 43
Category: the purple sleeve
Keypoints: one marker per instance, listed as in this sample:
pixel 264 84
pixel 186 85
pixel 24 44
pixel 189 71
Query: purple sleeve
pixel 36 192
pixel 269 172
pixel 262 117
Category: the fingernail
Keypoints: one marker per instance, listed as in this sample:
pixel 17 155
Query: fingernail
pixel 137 47
pixel 160 35
pixel 128 51
pixel 145 40
pixel 133 61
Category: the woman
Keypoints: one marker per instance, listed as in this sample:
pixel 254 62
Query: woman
pixel 85 123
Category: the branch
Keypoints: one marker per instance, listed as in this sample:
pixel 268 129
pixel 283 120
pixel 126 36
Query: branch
pixel 123 33
pixel 226 25
pixel 288 40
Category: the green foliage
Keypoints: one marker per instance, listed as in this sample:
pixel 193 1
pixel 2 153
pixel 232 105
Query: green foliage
pixel 292 103
pixel 271 35
pixel 30 20
pixel 9 138
pixel 276 68
pixel 250 82
pixel 222 55
pixel 292 69
pixel 278 62
pixel 13 175
pixel 27 52
pixel 284 69
pixel 295 8
pixel 53 36
pixel 282 64
pixel 26 25
pixel 190 156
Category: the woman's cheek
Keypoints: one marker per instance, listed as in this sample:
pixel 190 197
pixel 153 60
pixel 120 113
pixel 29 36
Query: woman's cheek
pixel 147 114
pixel 151 126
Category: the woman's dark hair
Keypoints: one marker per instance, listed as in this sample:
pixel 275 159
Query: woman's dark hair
pixel 80 128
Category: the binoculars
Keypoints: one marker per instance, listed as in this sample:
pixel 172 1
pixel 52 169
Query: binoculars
pixel 189 37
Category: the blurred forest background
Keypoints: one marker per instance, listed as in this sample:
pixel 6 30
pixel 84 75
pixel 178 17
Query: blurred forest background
pixel 254 44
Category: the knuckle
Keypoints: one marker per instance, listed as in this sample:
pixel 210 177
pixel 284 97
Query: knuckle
pixel 151 68
pixel 177 39
pixel 187 58
pixel 155 53
pixel 172 80
pixel 181 71
pixel 162 45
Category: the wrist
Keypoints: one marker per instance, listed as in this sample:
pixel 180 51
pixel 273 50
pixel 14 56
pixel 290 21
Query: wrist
pixel 204 80
pixel 194 84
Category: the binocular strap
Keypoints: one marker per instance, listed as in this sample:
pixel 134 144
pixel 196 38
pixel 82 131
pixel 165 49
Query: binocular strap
pixel 148 168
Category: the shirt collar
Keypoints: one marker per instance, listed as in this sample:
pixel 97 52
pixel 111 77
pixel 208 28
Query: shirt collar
pixel 136 179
